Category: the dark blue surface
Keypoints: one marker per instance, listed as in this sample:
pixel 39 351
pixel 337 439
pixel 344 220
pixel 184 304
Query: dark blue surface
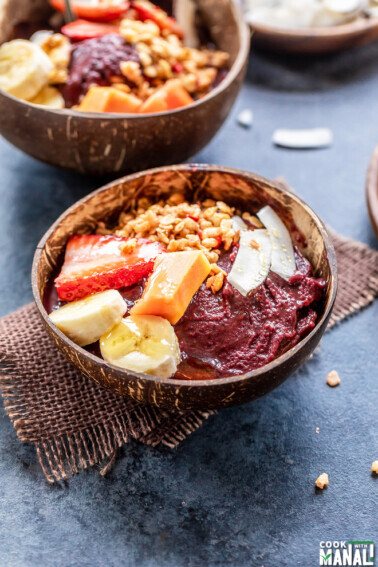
pixel 240 491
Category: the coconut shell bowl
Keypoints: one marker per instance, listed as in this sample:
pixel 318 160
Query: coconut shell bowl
pixel 113 144
pixel 238 188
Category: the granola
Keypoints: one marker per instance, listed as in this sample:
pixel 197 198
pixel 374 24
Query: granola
pixel 333 379
pixel 322 481
pixel 179 225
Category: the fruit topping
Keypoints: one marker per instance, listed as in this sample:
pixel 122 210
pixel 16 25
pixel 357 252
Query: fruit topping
pixel 283 260
pixel 80 30
pixel 252 262
pixel 174 281
pixel 170 96
pixel 95 263
pixel 84 321
pixel 95 10
pixel 142 343
pixel 109 99
pixel 148 11
pixel 49 96
pixel 24 68
pixel 96 62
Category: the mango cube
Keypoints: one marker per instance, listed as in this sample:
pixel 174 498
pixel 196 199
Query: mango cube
pixel 171 286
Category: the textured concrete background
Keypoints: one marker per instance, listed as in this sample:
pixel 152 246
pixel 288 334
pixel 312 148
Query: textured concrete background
pixel 240 491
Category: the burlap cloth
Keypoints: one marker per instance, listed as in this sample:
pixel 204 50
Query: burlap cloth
pixel 74 423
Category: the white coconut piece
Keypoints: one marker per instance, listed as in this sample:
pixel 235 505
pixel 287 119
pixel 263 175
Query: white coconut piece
pixel 238 224
pixel 343 6
pixel 303 139
pixel 283 259
pixel 252 262
pixel 184 11
pixel 373 12
pixel 285 14
pixel 245 118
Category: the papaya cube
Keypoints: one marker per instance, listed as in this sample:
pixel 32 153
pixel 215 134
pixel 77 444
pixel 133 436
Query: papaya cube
pixel 171 286
pixel 109 99
pixel 170 96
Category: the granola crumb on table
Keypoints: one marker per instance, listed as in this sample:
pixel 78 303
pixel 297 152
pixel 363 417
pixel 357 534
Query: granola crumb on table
pixel 322 481
pixel 333 379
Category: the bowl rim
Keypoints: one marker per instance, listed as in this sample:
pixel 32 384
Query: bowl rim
pixel 331 258
pixel 232 74
pixel 372 190
pixel 341 31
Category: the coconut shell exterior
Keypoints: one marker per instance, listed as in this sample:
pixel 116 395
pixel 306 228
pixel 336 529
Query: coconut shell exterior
pixel 113 144
pixel 241 189
pixel 312 41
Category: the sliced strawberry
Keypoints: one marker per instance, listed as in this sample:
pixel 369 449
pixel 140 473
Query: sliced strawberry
pixel 94 263
pixel 80 30
pixel 148 11
pixel 95 11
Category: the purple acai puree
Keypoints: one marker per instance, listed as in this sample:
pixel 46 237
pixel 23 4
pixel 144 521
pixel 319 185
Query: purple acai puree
pixel 94 62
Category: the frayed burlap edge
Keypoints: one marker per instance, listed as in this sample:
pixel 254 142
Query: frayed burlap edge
pixel 357 275
pixel 63 456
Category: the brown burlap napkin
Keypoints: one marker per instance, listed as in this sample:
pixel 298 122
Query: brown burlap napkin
pixel 74 423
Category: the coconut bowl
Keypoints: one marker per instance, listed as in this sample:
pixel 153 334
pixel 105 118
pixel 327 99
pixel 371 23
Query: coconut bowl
pixel 99 144
pixel 316 40
pixel 238 188
pixel 372 190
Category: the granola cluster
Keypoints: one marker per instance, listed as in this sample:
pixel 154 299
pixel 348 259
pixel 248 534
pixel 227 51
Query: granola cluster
pixel 163 56
pixel 322 481
pixel 179 225
pixel 58 48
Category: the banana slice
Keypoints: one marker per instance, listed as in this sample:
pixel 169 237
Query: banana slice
pixel 24 68
pixel 86 320
pixel 40 36
pixel 142 343
pixel 49 96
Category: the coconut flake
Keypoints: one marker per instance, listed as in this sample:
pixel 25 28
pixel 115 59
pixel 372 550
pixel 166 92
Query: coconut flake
pixel 303 139
pixel 184 11
pixel 238 224
pixel 283 259
pixel 343 6
pixel 252 262
pixel 245 118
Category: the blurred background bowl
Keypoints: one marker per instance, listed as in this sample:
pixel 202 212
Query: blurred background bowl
pixel 316 40
pixel 119 143
pixel 372 190
pixel 238 188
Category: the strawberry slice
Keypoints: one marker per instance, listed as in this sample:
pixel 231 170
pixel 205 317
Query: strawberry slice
pixel 148 11
pixel 79 30
pixel 98 11
pixel 94 263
